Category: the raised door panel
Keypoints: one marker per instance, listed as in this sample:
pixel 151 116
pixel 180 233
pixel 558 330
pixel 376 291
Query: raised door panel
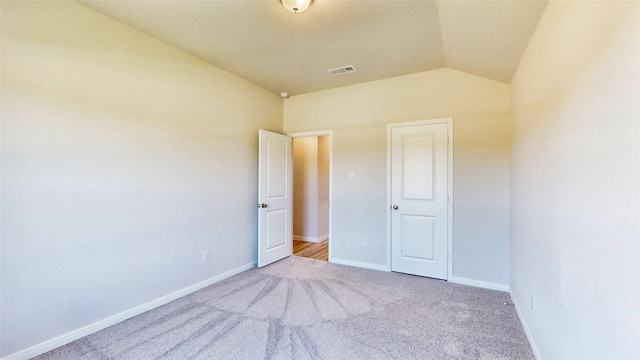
pixel 417 167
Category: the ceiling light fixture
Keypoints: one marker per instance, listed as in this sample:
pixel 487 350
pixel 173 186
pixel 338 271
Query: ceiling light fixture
pixel 296 6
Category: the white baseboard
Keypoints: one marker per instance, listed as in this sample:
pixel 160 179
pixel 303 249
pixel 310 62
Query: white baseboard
pixel 480 284
pixel 527 333
pixel 359 264
pixel 127 314
pixel 311 239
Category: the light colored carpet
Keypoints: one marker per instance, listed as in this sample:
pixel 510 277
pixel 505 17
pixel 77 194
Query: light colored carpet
pixel 301 308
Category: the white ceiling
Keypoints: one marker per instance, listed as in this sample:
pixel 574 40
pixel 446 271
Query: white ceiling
pixel 260 41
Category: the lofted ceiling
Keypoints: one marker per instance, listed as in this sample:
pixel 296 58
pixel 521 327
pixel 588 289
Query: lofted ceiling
pixel 260 41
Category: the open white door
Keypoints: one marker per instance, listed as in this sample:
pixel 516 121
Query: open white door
pixel 275 176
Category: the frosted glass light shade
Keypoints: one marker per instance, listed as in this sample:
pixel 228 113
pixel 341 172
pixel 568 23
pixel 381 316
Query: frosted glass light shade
pixel 296 6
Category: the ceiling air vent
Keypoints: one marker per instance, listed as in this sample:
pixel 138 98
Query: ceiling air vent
pixel 342 70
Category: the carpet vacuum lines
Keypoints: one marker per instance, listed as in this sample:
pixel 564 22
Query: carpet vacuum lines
pixel 302 308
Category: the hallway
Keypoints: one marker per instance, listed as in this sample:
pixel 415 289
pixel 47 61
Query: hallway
pixel 318 251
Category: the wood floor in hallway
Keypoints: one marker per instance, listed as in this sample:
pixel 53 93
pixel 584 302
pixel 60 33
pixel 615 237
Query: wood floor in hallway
pixel 318 251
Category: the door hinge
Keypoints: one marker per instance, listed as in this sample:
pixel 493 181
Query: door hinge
pixel 447 197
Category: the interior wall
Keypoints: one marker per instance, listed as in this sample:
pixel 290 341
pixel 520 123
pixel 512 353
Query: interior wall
pixel 123 159
pixel 575 182
pixel 311 188
pixel 358 116
pixel 305 188
pixel 323 186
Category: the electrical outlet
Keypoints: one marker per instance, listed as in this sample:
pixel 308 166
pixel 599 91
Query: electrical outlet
pixel 206 255
pixel 533 303
pixel 365 242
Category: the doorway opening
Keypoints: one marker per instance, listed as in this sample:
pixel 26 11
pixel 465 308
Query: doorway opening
pixel 311 195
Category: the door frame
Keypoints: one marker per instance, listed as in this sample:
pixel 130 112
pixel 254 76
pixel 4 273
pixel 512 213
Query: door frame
pixel 449 122
pixel 328 133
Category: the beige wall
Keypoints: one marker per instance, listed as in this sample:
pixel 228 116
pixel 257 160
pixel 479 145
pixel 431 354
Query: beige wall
pixel 324 167
pixel 575 182
pixel 358 116
pixel 122 160
pixel 305 188
pixel 310 188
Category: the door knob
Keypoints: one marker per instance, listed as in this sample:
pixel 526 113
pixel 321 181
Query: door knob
pixel 395 207
pixel 263 205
